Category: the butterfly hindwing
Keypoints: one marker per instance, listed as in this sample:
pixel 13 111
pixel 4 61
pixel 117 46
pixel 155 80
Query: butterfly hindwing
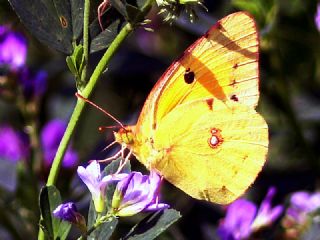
pixel 214 154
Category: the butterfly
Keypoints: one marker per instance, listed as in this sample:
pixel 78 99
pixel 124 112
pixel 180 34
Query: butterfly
pixel 198 127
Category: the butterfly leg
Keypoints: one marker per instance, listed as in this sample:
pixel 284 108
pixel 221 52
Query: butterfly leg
pixel 115 156
pixel 123 162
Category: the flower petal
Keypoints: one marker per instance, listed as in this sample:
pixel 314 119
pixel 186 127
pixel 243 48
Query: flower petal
pixel 91 177
pixel 157 206
pixel 237 223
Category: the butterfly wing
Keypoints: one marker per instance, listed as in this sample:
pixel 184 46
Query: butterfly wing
pixel 211 150
pixel 222 64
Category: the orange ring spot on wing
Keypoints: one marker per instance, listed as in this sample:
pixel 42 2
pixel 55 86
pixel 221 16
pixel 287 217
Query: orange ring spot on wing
pixel 216 138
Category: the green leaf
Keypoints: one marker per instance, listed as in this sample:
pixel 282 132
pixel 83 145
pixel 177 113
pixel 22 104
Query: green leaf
pixel 132 12
pixel 141 3
pixel 71 65
pixel 153 225
pixel 112 167
pixel 104 231
pixel 75 62
pixel 104 38
pixel 112 24
pixel 53 227
pixel 56 23
pixel 120 7
pixel 78 57
pixel 92 215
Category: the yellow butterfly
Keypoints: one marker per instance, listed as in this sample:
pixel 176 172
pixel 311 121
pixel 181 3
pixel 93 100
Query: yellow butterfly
pixel 198 127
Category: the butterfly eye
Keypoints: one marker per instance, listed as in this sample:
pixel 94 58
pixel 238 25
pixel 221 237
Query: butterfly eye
pixel 189 76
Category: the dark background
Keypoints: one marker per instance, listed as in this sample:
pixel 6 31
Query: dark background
pixel 289 100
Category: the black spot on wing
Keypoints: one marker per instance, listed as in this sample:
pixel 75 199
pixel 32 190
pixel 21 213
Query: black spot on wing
pixel 189 76
pixel 234 98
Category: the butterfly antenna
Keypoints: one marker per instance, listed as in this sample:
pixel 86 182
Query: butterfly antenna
pixel 103 128
pixel 99 108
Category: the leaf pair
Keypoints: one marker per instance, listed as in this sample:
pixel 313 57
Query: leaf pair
pixel 59 23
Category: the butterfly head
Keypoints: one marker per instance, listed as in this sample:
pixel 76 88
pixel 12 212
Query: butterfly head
pixel 125 135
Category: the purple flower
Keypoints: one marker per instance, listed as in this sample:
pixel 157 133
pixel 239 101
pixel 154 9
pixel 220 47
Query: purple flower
pixel 13 48
pixel 51 136
pixel 266 214
pixel 33 84
pixel 317 18
pixel 136 193
pixel 68 212
pixel 91 176
pixel 243 218
pixel 301 204
pixel 238 220
pixel 12 145
pixel 298 217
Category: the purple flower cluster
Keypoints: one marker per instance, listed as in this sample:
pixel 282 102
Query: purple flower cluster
pixel 302 204
pixel 299 213
pixel 13 54
pixel 244 218
pixel 317 18
pixel 33 84
pixel 13 147
pixel 134 192
pixel 13 49
pixel 51 136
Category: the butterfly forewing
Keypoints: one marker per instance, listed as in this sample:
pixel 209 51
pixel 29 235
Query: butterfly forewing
pixel 223 64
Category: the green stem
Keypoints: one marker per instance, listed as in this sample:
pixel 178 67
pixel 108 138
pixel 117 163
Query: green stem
pixel 80 103
pixel 85 39
pixel 125 31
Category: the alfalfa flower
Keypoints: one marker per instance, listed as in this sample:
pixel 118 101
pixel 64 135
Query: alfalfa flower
pixel 51 136
pixel 244 218
pixel 13 49
pixel 317 17
pixel 33 83
pixel 68 212
pixel 137 193
pixel 172 9
pixel 92 177
pixel 13 146
pixel 299 214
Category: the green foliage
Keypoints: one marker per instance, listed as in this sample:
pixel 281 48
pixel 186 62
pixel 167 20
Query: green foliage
pixel 56 23
pixel 101 39
pixel 53 228
pixel 75 62
pixel 153 225
pixel 263 11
